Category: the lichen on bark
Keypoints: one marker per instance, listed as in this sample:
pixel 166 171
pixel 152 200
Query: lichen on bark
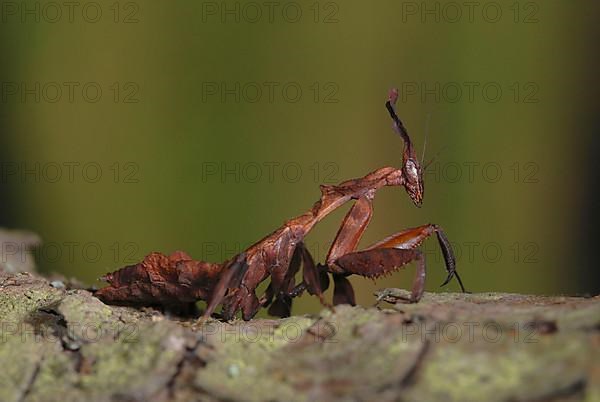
pixel 63 344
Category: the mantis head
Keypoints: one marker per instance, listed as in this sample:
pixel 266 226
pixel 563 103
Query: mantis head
pixel 412 170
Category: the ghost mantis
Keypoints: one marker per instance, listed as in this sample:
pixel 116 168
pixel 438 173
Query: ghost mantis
pixel 178 279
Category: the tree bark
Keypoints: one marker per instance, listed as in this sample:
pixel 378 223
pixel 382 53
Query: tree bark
pixel 63 344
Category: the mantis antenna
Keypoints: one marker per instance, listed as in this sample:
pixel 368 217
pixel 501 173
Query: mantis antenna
pixel 426 135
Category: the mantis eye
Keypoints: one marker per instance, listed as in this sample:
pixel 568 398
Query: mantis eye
pixel 411 168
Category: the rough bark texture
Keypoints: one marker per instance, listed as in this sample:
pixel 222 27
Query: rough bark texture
pixel 61 344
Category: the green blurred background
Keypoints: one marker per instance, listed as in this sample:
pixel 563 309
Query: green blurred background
pixel 129 127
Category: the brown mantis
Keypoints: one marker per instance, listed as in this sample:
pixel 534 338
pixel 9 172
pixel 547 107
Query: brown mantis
pixel 178 279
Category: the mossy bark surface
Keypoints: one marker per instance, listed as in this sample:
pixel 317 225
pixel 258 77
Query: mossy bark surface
pixel 62 344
